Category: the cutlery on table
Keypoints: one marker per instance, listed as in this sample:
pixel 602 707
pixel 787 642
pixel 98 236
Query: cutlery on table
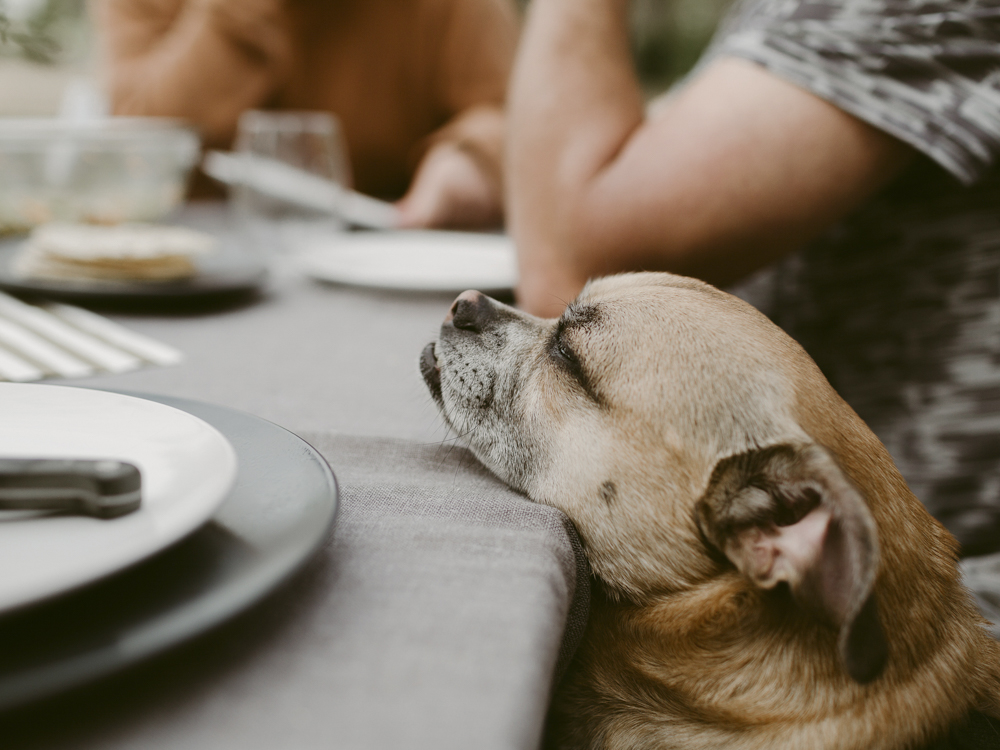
pixel 104 488
pixel 293 185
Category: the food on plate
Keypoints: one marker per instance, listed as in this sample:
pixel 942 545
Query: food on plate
pixel 126 252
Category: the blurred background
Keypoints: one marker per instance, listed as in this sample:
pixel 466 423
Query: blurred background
pixel 47 45
pixel 668 37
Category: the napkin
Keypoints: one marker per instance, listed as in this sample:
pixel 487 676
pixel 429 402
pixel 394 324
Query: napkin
pixel 57 340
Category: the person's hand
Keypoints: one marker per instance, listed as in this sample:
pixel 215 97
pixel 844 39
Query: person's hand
pixel 451 190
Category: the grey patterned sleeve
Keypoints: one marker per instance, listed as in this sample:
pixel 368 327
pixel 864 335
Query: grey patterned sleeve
pixel 925 71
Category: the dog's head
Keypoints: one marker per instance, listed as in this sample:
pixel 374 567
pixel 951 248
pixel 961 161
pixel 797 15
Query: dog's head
pixel 662 416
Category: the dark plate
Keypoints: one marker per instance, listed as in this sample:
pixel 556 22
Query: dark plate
pixel 226 275
pixel 277 516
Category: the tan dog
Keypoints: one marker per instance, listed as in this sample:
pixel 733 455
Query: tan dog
pixel 767 578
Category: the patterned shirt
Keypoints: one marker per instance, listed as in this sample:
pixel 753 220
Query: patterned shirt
pixel 900 303
pixel 927 72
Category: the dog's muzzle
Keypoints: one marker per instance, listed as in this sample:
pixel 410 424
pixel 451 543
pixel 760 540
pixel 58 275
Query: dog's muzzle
pixel 430 371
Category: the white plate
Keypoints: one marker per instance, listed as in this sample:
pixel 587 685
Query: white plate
pixel 187 470
pixel 416 260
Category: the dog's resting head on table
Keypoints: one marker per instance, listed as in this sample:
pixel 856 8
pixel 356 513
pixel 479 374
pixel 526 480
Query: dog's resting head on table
pixel 767 578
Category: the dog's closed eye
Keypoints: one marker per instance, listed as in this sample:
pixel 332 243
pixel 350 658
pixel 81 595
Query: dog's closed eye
pixel 566 358
pixel 562 350
pixel 574 325
pixel 565 353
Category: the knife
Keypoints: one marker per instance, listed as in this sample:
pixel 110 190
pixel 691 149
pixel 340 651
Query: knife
pixel 103 488
pixel 293 185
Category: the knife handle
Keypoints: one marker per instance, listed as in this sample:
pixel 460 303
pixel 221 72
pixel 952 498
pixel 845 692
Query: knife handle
pixel 104 488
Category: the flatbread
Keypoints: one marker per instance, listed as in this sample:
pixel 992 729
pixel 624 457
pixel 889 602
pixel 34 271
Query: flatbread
pixel 126 252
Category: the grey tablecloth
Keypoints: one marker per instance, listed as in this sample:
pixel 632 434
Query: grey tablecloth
pixel 436 615
pixel 433 619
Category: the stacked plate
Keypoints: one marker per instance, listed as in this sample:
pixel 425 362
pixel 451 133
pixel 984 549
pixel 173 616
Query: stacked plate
pixel 226 276
pixel 231 505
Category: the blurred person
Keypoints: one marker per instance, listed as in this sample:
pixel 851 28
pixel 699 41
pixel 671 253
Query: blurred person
pixel 418 85
pixel 852 145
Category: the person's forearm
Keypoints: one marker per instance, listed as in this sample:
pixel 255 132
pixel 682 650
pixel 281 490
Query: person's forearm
pixel 574 103
pixel 738 168
pixel 217 58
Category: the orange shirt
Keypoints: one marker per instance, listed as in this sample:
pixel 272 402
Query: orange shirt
pixel 397 73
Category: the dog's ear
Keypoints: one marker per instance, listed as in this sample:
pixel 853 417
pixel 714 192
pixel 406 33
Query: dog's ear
pixel 788 514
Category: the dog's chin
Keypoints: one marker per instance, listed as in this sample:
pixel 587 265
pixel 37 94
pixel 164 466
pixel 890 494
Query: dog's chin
pixel 430 371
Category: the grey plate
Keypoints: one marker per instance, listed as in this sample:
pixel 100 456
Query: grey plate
pixel 279 513
pixel 223 276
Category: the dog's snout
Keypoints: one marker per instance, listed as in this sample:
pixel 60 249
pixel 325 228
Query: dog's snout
pixel 471 311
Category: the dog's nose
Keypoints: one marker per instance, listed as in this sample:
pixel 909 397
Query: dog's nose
pixel 471 311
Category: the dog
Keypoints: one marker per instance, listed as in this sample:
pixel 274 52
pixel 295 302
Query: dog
pixel 764 576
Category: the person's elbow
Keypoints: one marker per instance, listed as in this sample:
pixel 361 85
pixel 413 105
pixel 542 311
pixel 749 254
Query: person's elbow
pixel 561 245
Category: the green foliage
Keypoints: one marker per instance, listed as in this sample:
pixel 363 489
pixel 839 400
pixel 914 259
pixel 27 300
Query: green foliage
pixel 45 35
pixel 668 36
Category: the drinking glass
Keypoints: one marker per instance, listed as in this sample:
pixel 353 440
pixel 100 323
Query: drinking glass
pixel 312 145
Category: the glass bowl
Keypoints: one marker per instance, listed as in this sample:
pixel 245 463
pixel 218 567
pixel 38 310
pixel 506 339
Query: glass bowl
pixel 100 171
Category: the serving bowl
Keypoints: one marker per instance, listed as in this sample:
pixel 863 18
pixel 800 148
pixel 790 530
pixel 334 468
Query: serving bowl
pixel 103 171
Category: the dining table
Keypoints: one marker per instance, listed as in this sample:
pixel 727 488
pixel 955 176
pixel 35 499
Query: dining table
pixel 439 613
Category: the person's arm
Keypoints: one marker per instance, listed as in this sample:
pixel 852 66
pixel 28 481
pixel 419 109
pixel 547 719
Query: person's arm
pixel 459 180
pixel 203 60
pixel 738 168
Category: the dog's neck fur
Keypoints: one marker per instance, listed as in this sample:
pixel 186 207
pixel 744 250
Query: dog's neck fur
pixel 790 677
pixel 794 687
